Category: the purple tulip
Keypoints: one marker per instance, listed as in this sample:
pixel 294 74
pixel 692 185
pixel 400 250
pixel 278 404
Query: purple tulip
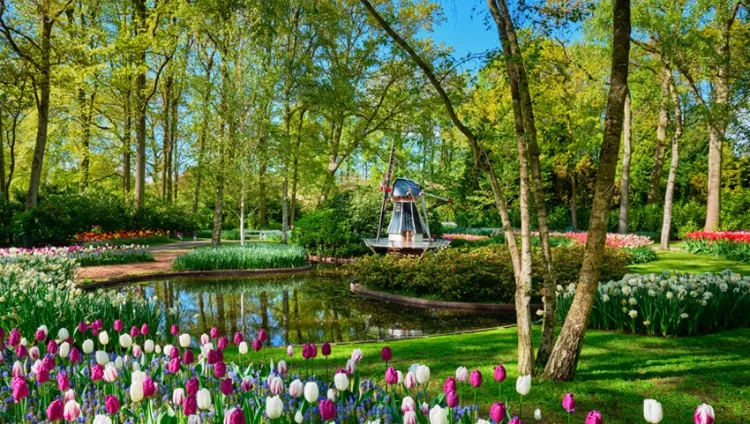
pixel 500 374
pixel 97 325
pixel 55 410
pixel 222 344
pixel 220 370
pixel 238 338
pixel 569 403
pixel 305 351
pixel 188 357
pixel 40 335
pixel 111 404
pixel 214 332
pixel 192 386
pixel 452 399
pixel 174 329
pixel 257 344
pixel 226 386
pixel 594 417
pixel 515 420
pixel 391 376
pixel 325 349
pixel 118 325
pixel 144 329
pixel 134 332
pixel 190 405
pixel 22 351
pixel 75 355
pixel 174 365
pixel 149 388
pixel 42 376
pixel 82 327
pixel 175 352
pixel 475 378
pixel 48 363
pixel 237 416
pixel 327 410
pixel 386 354
pixel 449 385
pixel 213 357
pixel 247 384
pixel 262 335
pixel 63 383
pixel 498 412
pixel 52 347
pixel 2 333
pixel 19 388
pixel 97 372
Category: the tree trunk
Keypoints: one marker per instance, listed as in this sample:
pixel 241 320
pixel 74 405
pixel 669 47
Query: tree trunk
pixel 627 136
pixel 2 159
pixel 140 108
pixel 669 195
pixel 564 360
pixel 243 197
pixel 284 208
pixel 573 201
pixel 85 122
pixel 166 173
pixel 126 147
pixel 42 108
pixel 262 189
pixel 12 155
pixel 202 138
pixel 713 200
pixel 661 140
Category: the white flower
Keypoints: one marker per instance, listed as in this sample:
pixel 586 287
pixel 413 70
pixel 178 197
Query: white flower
pixel 185 340
pixel 652 411
pixel 331 395
pixel 101 357
pixel 408 404
pixel 684 315
pixel 647 323
pixel 178 395
pixel 281 367
pixel 274 407
pixel 290 351
pixel 296 388
pixel 243 348
pixel 605 298
pixel 136 390
pixel 438 415
pixel 64 350
pixel 341 381
pixel 88 346
pixel 62 334
pixel 423 374
pixel 538 414
pixel 540 312
pixel 102 419
pixel 400 376
pixel 276 385
pixel 704 414
pixel 298 418
pixel 204 399
pixel 104 338
pixel 462 374
pixel 633 313
pixel 632 301
pixel 110 373
pixel 357 355
pixel 126 341
pixel 168 350
pixel 311 392
pixel 149 346
pixel 523 384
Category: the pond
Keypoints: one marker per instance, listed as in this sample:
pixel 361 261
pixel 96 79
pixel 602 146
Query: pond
pixel 302 309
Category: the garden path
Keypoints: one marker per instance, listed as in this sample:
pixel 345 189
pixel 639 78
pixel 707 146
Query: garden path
pixel 163 263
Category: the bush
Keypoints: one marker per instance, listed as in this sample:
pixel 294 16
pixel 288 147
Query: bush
pixel 251 256
pixel 728 245
pixel 641 255
pixel 476 275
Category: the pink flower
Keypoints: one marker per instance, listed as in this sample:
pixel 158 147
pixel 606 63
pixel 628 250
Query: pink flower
pixel 134 332
pixel 14 338
pixel 144 329
pixel 391 376
pixel 118 325
pixel 247 384
pixel 452 399
pixel 75 355
pixel 449 385
pixel 174 329
pixel 149 387
pixel 594 417
pixel 262 336
pixel 386 354
pixel 190 405
pixel 327 410
pixel 72 411
pixel 235 416
pixel 42 376
pixel 475 378
pixel 111 404
pixel 223 343
pixel 238 338
pixel 704 414
pixel 97 372
pixel 500 374
pixel 569 403
pixel 63 383
pixel 192 386
pixel 55 410
pixel 174 365
pixel 214 332
pixel 188 357
pixel 515 420
pixel 257 344
pixel 40 335
pixel 226 386
pixel 52 347
pixel 498 412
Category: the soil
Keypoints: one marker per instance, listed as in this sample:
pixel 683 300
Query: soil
pixel 163 263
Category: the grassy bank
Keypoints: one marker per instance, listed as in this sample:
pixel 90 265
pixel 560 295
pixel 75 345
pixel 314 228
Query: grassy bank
pixel 616 372
pixel 688 262
pixel 233 257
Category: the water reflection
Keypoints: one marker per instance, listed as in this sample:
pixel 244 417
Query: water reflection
pixel 301 309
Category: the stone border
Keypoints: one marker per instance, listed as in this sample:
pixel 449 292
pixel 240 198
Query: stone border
pixel 190 274
pixel 435 304
pixel 331 260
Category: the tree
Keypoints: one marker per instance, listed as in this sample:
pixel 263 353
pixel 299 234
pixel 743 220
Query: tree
pixel 627 136
pixel 563 362
pixel 669 194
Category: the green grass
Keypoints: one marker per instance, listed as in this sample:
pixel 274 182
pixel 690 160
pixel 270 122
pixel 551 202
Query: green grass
pixel 233 257
pixel 688 262
pixel 616 373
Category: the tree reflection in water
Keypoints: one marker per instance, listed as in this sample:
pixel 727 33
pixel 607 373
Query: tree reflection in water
pixel 301 309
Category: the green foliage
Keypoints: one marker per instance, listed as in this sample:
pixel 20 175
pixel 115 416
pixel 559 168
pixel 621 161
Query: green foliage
pixel 250 256
pixel 640 255
pixel 122 255
pixel 736 251
pixel 472 275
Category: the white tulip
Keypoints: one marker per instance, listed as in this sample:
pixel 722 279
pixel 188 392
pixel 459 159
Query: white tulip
pixel 357 355
pixel 24 342
pixel 281 367
pixel 704 414
pixel 410 381
pixel 438 415
pixel 423 374
pixel 538 415
pixel 298 418
pixel 243 348
pixel 110 373
pixel 331 395
pixel 194 419
pixel 119 364
pixel 276 385
pixel 204 339
pixel 136 366
pixel 136 391
pixel 350 366
pixel 296 388
pixel 400 377
pixel 377 421
pixel 101 357
pixel 341 381
pixel 157 349
pixel 462 374
pixel 44 329
pixel 178 395
pixel 204 399
pixel 168 350
pixel 312 392
pixel 102 419
pixel 274 407
pixel 410 417
pixel 481 421
pixel 138 375
pixel 408 404
pixel 290 350
pixel 185 340
pixel 652 411
pixel 104 338
pixel 126 341
pixel 523 385
pixel 148 346
pixel 88 346
pixel 62 334
pixel 64 350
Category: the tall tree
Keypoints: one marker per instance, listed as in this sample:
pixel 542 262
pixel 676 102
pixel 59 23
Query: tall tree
pixel 674 162
pixel 661 139
pixel 627 136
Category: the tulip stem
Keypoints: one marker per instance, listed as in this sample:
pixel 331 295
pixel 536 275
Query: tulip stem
pixel 520 409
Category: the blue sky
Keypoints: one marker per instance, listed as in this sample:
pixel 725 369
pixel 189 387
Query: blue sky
pixel 464 28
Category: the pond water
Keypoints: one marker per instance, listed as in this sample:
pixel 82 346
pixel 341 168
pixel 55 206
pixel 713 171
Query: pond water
pixel 302 309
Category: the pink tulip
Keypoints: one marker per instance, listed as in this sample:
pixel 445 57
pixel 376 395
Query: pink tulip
pixel 214 332
pixel 262 335
pixel 134 332
pixel 118 325
pixel 704 414
pixel 40 335
pixel 220 370
pixel 247 384
pixel 498 412
pixel 63 383
pixel 144 329
pixel 391 376
pixel 174 329
pixel 410 417
pixel 111 404
pixel 22 351
pixel 257 345
pixel 55 410
pixel 213 357
pixel 449 385
pixel 569 403
pixel 174 366
pixel 188 357
pixel 97 372
pixel 14 338
pixel 238 338
pixel 174 353
pixel 75 355
pixel 149 387
pixel 69 395
pixel 500 374
pixel 42 376
pixel 72 411
pixel 594 417
pixel 452 399
pixel 475 378
pixel 52 347
pixel 34 353
pixel 236 416
pixel 327 410
pixel 410 381
pixel 222 344
pixel 515 420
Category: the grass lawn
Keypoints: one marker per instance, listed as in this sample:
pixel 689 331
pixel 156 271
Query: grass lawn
pixel 615 374
pixel 688 262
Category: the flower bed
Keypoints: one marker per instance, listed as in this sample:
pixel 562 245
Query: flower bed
pixel 129 378
pixel 250 256
pixel 734 245
pixel 668 303
pixel 614 240
pixel 92 236
pixel 467 237
pixel 85 255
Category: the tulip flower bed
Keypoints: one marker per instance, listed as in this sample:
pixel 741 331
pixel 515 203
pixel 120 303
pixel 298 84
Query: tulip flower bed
pixel 467 237
pixel 95 236
pixel 668 303
pixel 251 256
pixel 85 255
pixel 734 245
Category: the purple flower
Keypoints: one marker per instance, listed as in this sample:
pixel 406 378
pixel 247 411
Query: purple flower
pixel 262 336
pixel 449 385
pixel 111 404
pixel 55 410
pixel 220 370
pixel 192 386
pixel 569 403
pixel 327 410
pixel 452 399
pixel 594 417
pixel 188 357
pixel 475 378
pixel 500 374
pixel 238 338
pixel 386 353
pixel 174 329
pixel 226 386
pixel 325 349
pixel 497 412
pixel 190 405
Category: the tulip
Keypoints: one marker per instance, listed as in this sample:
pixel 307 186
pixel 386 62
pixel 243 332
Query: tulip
pixel 205 339
pixel 52 347
pixel 234 416
pixel 341 381
pixel 192 386
pixel 136 391
pixel 168 350
pixel 515 420
pixel 569 403
pixel 523 385
pixel 64 350
pixel 102 419
pixel 704 414
pixel 62 334
pixel 311 392
pixel 149 346
pixel 390 376
pixel 174 365
pixel 350 366
pixel 190 405
pixel 538 414
pixel 104 338
pixel 386 354
pixel 21 351
pixel 222 343
pixel 34 353
pixel 144 329
pixel 410 381
pixel 276 385
pixel 594 417
pixel 298 417
pixel 652 411
pixel 188 357
pixel 174 329
pixel 247 384
pixel 174 352
pixel 19 388
pixel 69 395
pixel 226 387
pixel 357 355
pixel 42 376
pixel 296 388
pixel 425 409
pixel 423 374
pixel 88 346
pixel 111 404
pixel 257 345
pixel 327 410
pixel 500 374
pixel 137 351
pixel 55 410
pixel 185 340
pixel 18 369
pixel 194 419
pixel 220 370
pixel 97 372
pixel 149 387
pixel 325 349
pixel 451 399
pixel 204 399
pixel 63 383
pixel 331 395
pixel 72 410
pixel 290 351
pixel 400 377
pixel 475 378
pixel 243 348
pixel 214 332
pixel 134 332
pixel 262 335
pixel 118 326
pixel 410 417
pixel 178 396
pixel 408 404
pixel 498 412
pixel 14 338
pixel 41 334
pixel 75 355
pixel 449 385
pixel 274 407
pixel 101 357
pixel 438 415
pixel 126 341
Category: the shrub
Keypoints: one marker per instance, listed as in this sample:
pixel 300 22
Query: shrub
pixel 476 275
pixel 251 256
pixel 641 255
pixel 730 245
pixel 667 303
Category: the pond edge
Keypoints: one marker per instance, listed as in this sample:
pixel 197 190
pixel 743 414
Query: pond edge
pixel 436 304
pixel 193 274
